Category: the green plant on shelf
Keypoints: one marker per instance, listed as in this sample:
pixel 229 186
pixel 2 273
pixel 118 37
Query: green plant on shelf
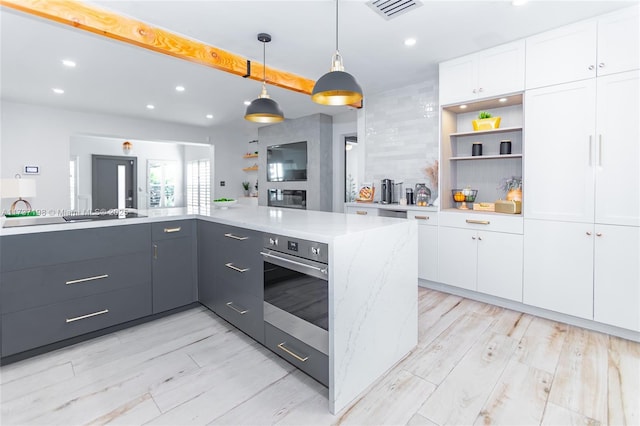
pixel 245 185
pixel 484 114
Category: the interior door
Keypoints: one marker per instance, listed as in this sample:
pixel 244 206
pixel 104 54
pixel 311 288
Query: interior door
pixel 113 182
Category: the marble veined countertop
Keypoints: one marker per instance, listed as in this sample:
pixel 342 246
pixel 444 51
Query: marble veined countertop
pixel 308 224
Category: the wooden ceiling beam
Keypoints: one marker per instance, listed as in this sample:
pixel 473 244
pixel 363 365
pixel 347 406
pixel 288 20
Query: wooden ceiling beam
pixel 108 24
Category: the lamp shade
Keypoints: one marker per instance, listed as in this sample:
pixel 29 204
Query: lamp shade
pixel 336 88
pixel 17 188
pixel 264 110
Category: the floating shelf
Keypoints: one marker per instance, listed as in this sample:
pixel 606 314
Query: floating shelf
pixel 486 132
pixel 250 169
pixel 250 156
pixel 485 157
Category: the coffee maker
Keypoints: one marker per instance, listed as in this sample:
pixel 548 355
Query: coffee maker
pixel 386 195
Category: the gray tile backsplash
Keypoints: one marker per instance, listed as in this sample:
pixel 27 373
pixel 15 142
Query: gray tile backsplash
pixel 401 137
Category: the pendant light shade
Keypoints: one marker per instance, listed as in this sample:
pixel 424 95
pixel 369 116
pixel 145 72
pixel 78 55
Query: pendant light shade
pixel 263 109
pixel 336 87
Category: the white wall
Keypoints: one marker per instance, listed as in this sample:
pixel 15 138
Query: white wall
pixel 84 146
pixel 33 134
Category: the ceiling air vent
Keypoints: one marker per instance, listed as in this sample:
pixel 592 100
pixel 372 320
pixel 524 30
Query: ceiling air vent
pixel 390 9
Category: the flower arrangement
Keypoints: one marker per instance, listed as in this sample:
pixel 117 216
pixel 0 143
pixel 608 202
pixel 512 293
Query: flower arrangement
pixel 432 174
pixel 512 183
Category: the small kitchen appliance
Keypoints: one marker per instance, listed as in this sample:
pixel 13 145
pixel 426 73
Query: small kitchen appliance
pixel 386 196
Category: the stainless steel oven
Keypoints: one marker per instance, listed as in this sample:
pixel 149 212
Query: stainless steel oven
pixel 289 198
pixel 296 293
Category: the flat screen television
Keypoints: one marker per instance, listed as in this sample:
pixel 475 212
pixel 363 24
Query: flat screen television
pixel 287 162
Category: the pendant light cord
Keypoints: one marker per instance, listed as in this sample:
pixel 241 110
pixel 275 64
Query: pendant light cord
pixel 336 25
pixel 264 62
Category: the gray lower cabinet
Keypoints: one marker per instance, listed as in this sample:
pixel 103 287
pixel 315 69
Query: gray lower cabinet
pixel 230 275
pixel 58 285
pixel 303 356
pixel 174 263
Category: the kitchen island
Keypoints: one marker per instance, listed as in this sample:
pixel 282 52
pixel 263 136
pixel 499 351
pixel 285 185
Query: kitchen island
pixel 372 280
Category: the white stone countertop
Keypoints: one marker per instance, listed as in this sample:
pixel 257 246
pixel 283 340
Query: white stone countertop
pixel 308 224
pixel 396 207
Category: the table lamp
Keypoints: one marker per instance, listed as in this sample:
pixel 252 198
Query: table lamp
pixel 12 188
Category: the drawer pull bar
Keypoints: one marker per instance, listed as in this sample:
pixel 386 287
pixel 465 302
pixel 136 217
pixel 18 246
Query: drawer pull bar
pixel 241 312
pixel 293 354
pixel 478 222
pixel 170 230
pixel 235 268
pixel 68 320
pixel 82 280
pixel 235 237
pixel 362 212
pixel 422 217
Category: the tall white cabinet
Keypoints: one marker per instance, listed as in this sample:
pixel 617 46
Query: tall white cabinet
pixel 577 146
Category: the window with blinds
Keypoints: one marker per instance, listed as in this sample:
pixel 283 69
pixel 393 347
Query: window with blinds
pixel 199 186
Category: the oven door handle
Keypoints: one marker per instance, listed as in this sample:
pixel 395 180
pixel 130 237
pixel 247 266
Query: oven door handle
pixel 306 268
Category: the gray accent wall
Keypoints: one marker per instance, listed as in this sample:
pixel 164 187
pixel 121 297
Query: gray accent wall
pixel 317 130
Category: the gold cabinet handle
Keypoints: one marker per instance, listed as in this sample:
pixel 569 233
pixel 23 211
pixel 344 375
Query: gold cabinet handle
pixel 478 222
pixel 240 311
pixel 235 237
pixel 361 212
pixel 170 230
pixel 104 311
pixel 84 280
pixel 422 217
pixel 290 352
pixel 235 268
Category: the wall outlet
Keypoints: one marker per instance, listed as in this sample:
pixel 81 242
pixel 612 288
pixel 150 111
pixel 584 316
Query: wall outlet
pixel 222 183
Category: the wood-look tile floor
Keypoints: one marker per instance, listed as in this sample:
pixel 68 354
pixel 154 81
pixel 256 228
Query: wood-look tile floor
pixel 474 364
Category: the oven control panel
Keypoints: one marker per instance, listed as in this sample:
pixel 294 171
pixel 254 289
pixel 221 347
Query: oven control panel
pixel 297 247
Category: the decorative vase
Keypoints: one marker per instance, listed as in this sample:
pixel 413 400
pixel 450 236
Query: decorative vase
pixel 514 195
pixel 246 192
pixel 486 123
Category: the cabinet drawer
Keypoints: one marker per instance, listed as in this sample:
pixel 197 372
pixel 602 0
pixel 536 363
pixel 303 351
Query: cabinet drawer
pixel 423 217
pixel 303 356
pixel 482 222
pixel 31 328
pixel 243 310
pixel 241 275
pixel 172 229
pixel 52 248
pixel 362 211
pixel 48 285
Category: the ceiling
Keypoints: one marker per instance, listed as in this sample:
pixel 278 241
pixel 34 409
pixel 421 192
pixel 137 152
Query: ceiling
pixel 116 78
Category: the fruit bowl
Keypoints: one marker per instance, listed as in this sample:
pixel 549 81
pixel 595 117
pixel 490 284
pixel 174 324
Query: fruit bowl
pixel 224 203
pixel 464 196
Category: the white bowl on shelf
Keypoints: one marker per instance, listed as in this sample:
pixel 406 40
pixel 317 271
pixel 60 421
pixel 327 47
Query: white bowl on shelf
pixel 224 204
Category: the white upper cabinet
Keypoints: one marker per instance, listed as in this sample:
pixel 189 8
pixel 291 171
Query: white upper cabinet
pixel 596 47
pixel 485 74
pixel 619 42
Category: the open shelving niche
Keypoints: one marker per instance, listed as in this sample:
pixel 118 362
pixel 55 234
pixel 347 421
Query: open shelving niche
pixel 253 168
pixel 486 172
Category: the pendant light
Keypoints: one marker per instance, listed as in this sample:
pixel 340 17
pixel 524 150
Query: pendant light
pixel 336 87
pixel 264 109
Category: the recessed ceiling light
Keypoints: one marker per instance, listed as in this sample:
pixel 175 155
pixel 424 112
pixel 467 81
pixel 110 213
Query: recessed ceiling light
pixel 57 91
pixel 68 63
pixel 149 106
pixel 179 88
pixel 463 106
pixel 247 103
pixel 209 116
pixel 518 2
pixel 410 42
pixel 502 100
